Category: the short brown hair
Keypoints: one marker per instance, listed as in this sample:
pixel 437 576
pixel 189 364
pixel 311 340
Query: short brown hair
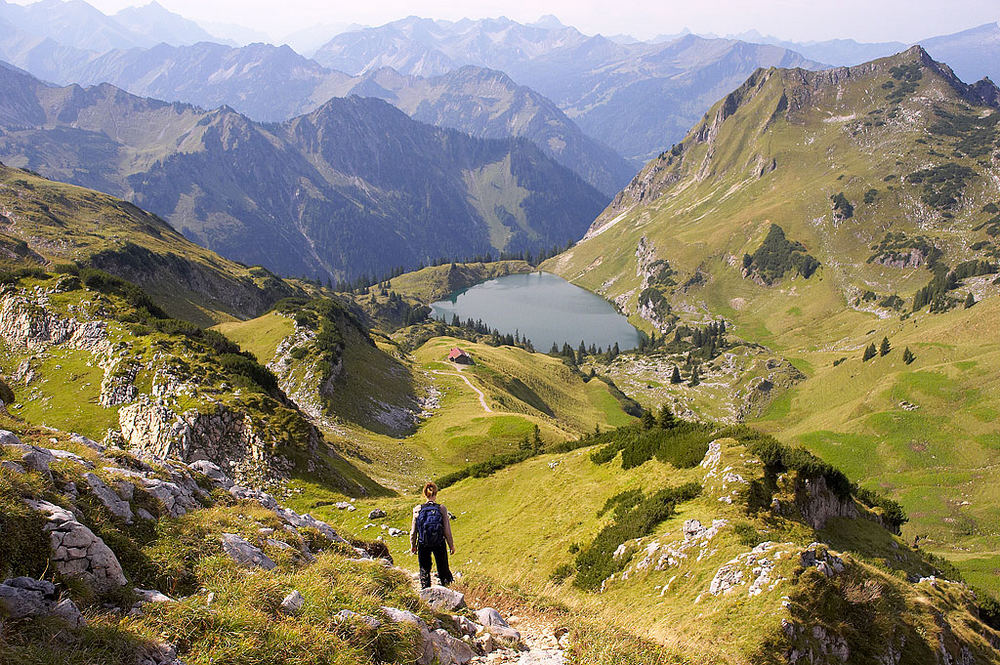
pixel 430 489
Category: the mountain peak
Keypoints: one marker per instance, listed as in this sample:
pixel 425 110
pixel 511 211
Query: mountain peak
pixel 549 22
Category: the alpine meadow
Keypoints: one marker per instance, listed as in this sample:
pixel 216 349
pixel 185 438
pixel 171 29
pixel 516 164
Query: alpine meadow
pixel 434 341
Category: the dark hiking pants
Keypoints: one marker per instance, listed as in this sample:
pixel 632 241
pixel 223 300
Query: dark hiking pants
pixel 440 553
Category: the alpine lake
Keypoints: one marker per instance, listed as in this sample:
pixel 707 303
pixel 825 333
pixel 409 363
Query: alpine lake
pixel 543 308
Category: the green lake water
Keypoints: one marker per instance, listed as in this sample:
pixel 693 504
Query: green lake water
pixel 544 308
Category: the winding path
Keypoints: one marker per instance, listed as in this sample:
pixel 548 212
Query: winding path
pixel 458 373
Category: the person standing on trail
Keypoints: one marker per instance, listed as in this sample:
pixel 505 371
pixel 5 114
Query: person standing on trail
pixel 430 534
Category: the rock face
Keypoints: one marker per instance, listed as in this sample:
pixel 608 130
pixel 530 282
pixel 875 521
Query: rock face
pixel 22 597
pixel 77 552
pixel 223 429
pixel 818 503
pixel 225 437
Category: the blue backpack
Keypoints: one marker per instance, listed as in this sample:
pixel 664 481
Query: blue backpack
pixel 430 525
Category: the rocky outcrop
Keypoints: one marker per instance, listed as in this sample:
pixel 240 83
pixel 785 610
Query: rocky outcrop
pixel 27 323
pixel 245 554
pixel 22 597
pixel 817 503
pixel 118 506
pixel 77 551
pixel 226 437
pixel 437 646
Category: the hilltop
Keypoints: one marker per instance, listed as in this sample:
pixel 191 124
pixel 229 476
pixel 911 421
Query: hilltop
pixel 818 212
pixel 44 222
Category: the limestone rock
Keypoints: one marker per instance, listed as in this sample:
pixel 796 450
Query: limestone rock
pixel 496 625
pixel 466 626
pixel 369 621
pixel 8 438
pixel 448 649
pixel 22 597
pixel 119 508
pixel 84 441
pixel 244 553
pixel 490 617
pixel 11 465
pixel 442 598
pixel 77 551
pixel 152 596
pixel 213 472
pixel 292 604
pixel 378 513
pixel 67 610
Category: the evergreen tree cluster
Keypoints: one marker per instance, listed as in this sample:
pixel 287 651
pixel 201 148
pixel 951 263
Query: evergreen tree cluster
pixel 842 208
pixel 492 337
pixel 935 293
pixel 778 255
pixel 362 283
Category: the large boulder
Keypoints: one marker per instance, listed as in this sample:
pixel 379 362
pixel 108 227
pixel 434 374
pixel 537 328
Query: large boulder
pixel 245 554
pixel 77 551
pixel 442 598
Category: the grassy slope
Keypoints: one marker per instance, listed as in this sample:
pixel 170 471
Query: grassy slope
pixel 58 223
pixel 518 525
pixel 522 389
pixel 259 336
pixel 460 431
pixel 942 460
pixel 721 206
pixel 183 557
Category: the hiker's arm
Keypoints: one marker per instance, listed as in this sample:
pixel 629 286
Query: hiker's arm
pixel 446 517
pixel 413 532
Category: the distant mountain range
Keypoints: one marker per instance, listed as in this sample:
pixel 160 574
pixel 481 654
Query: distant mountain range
pixel 354 187
pixel 77 24
pixel 972 53
pixel 273 84
pixel 639 97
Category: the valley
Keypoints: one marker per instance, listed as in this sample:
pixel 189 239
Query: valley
pixel 743 413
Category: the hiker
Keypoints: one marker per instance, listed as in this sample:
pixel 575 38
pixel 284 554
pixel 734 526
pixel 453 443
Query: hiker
pixel 430 532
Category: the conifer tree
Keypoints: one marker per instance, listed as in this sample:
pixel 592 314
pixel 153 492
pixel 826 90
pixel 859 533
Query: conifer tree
pixel 908 356
pixel 536 439
pixel 666 418
pixel 869 353
pixel 581 351
pixel 884 348
pixel 675 377
pixel 648 420
pixel 554 351
pixel 970 300
pixel 695 379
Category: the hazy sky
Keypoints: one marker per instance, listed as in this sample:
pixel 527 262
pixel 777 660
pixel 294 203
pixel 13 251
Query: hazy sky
pixel 866 20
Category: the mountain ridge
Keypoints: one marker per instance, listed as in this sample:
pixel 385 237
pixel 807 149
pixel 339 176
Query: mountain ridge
pixel 202 171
